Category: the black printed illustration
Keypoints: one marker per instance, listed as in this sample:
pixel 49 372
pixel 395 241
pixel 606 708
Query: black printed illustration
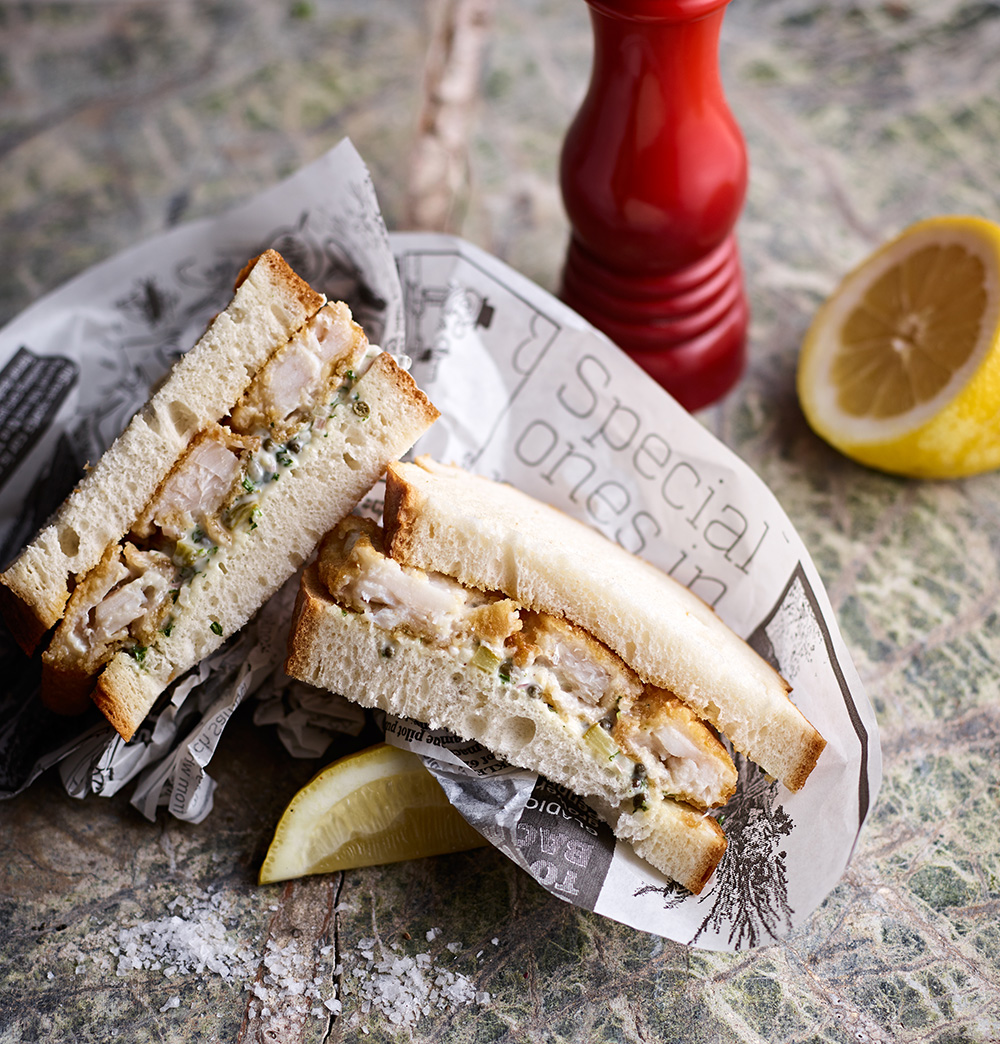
pixel 437 315
pixel 323 250
pixel 449 315
pixel 748 902
pixel 563 844
pixel 150 302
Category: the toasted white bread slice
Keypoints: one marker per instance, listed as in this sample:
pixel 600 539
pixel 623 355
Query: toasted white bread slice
pixel 341 650
pixel 492 536
pixel 389 413
pixel 270 303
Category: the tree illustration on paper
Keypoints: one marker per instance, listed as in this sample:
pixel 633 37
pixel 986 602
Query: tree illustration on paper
pixel 751 891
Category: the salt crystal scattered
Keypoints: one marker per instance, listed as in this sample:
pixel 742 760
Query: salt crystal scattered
pixel 404 988
pixel 283 983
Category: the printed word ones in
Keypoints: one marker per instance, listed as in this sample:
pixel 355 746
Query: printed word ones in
pixel 681 486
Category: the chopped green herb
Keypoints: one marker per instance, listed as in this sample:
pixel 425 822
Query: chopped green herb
pixel 138 653
pixel 284 458
pixel 167 628
pixel 248 485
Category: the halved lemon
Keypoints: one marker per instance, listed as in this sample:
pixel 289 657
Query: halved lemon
pixel 380 805
pixel 900 369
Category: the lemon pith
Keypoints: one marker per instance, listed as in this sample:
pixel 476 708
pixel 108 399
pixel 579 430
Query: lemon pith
pixel 900 369
pixel 380 805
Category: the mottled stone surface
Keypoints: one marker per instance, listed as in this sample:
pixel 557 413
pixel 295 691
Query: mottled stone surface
pixel 122 117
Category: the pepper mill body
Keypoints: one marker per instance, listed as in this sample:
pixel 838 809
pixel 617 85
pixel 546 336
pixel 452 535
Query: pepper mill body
pixel 653 175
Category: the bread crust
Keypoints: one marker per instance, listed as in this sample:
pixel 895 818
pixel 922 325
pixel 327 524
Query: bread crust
pixel 401 514
pixel 124 696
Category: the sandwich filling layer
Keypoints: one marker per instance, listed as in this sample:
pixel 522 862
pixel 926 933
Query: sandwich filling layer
pixel 649 738
pixel 212 498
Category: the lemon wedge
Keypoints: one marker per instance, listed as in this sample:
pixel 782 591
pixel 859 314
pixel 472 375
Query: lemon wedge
pixel 380 805
pixel 900 369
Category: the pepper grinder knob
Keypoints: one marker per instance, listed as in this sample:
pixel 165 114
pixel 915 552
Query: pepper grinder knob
pixel 653 175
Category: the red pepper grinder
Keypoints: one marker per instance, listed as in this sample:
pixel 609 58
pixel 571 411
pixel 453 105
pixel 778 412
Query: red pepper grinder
pixel 653 175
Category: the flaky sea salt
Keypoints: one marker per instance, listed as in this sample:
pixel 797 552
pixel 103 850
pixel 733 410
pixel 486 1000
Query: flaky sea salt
pixel 196 938
pixel 193 939
pixel 284 984
pixel 405 988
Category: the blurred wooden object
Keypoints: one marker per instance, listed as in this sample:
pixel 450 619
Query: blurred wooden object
pixel 439 165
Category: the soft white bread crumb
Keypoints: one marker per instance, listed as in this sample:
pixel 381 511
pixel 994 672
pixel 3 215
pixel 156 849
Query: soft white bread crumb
pixel 341 651
pixel 269 305
pixel 328 483
pixel 493 536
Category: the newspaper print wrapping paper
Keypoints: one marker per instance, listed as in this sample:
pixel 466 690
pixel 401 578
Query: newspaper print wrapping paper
pixel 530 394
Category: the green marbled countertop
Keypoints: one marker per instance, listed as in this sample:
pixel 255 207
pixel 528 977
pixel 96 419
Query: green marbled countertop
pixel 121 117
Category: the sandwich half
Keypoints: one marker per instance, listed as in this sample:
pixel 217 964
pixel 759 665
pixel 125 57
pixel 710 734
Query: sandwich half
pixel 484 611
pixel 270 304
pixel 490 535
pixel 537 690
pixel 240 507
